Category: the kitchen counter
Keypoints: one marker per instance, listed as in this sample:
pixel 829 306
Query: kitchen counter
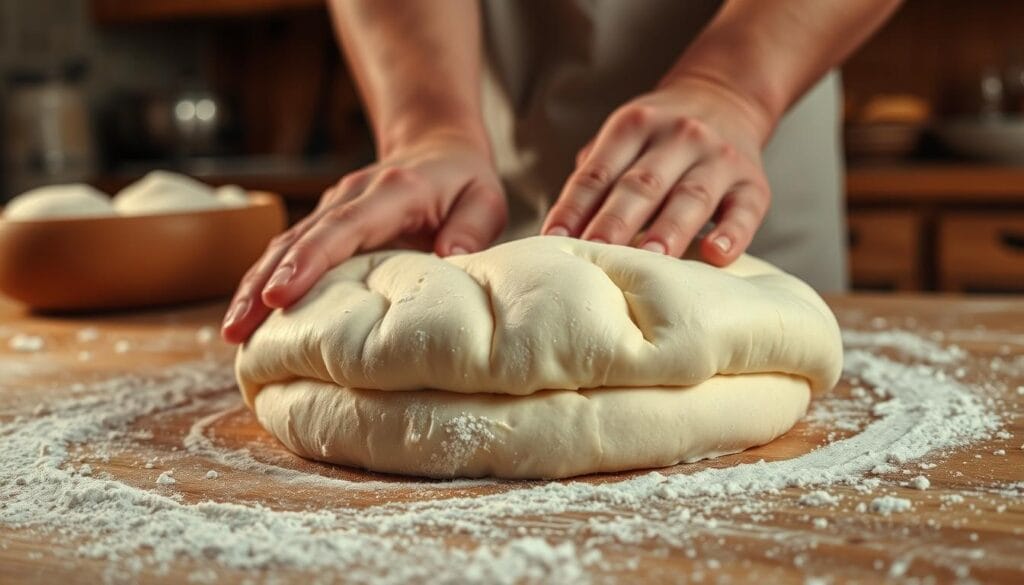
pixel 130 454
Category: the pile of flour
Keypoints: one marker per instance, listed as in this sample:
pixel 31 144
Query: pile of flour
pixel 886 433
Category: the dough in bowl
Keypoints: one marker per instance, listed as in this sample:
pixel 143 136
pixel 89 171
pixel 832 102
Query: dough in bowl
pixel 165 192
pixel 75 200
pixel 544 357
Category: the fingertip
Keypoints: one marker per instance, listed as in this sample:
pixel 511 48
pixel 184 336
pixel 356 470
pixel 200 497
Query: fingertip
pixel 719 249
pixel 654 246
pixel 240 321
pixel 234 334
pixel 275 297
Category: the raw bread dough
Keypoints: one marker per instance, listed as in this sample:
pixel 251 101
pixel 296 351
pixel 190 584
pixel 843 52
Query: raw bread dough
pixel 231 196
pixel 165 192
pixel 59 202
pixel 681 361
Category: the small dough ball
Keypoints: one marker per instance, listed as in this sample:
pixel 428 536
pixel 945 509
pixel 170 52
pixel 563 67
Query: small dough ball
pixel 232 196
pixel 76 200
pixel 165 192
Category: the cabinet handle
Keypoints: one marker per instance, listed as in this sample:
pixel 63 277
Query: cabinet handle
pixel 1012 240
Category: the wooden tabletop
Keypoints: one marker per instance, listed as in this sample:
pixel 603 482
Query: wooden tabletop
pixel 968 526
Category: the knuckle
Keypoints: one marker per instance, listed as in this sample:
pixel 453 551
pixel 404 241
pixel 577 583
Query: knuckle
pixel 695 191
pixel 690 129
pixel 347 183
pixel 396 176
pixel 680 126
pixel 593 177
pixel 728 152
pixel 341 214
pixel 644 183
pixel 632 118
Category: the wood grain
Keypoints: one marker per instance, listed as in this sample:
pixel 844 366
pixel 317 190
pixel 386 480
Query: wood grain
pixel 854 548
pixel 964 184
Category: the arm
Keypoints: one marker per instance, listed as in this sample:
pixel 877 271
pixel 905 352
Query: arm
pixel 690 150
pixel 417 65
pixel 770 53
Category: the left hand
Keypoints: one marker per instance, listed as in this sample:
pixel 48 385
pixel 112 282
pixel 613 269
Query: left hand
pixel 675 158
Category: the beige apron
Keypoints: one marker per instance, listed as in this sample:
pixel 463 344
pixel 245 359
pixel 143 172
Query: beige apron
pixel 558 68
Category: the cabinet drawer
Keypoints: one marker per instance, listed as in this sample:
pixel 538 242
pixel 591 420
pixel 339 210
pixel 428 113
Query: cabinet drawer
pixel 981 252
pixel 885 249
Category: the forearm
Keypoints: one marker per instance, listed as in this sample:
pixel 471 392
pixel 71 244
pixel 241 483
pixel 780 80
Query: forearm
pixel 417 66
pixel 767 54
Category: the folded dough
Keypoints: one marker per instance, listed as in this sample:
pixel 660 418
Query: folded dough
pixel 543 357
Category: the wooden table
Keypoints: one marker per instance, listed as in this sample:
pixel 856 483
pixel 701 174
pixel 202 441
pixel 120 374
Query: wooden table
pixel 984 534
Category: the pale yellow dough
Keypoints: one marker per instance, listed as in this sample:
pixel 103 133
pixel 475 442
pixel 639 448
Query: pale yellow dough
pixel 682 361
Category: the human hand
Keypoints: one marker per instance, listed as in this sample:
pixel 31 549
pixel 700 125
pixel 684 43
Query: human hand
pixel 441 193
pixel 682 155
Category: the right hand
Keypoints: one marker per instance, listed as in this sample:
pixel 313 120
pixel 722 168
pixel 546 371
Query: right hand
pixel 441 192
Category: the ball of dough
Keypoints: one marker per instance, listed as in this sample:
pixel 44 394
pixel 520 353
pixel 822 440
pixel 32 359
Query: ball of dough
pixel 543 357
pixel 232 196
pixel 58 202
pixel 165 192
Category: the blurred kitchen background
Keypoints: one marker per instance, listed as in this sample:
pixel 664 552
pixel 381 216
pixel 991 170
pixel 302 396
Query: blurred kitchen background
pixel 254 92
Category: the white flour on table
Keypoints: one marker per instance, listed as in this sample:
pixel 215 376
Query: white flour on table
pixel 903 417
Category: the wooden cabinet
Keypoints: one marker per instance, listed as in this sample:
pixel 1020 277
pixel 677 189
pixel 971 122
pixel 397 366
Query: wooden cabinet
pixel 981 252
pixel 885 249
pixel 946 228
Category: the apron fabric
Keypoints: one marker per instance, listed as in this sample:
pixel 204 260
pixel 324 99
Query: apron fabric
pixel 558 68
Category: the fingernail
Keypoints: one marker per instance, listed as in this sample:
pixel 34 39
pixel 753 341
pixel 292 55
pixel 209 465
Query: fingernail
pixel 236 312
pixel 656 247
pixel 558 231
pixel 458 251
pixel 598 240
pixel 723 243
pixel 281 276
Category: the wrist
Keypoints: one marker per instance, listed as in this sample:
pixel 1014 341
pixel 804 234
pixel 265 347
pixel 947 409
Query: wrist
pixel 414 129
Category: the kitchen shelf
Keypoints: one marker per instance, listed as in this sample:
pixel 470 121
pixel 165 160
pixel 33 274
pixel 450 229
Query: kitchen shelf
pixel 935 183
pixel 109 12
pixel 950 227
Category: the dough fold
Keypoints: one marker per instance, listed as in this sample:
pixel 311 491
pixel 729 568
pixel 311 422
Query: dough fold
pixel 543 357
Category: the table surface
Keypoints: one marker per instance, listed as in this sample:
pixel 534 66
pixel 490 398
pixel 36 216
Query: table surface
pixel 980 537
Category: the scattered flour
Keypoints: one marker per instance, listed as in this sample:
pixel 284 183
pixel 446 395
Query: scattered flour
pixel 26 343
pixel 920 483
pixel 87 334
pixel 818 499
pixel 515 532
pixel 886 505
pixel 205 335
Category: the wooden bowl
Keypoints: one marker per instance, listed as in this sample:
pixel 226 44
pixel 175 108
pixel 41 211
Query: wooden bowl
pixel 136 261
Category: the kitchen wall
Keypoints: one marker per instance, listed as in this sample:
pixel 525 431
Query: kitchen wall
pixel 295 124
pixel 57 40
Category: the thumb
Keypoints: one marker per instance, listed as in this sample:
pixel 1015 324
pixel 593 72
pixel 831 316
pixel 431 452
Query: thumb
pixel 474 221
